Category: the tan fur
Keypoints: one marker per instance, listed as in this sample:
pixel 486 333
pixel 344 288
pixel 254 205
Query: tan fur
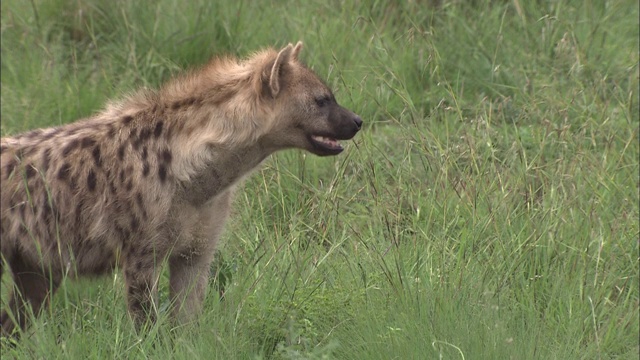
pixel 151 178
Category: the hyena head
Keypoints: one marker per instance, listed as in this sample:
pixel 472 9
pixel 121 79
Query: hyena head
pixel 305 112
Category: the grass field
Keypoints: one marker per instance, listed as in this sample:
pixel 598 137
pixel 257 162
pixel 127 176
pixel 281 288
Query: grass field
pixel 489 209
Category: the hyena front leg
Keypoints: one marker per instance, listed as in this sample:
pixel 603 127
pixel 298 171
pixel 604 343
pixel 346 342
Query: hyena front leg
pixel 189 269
pixel 188 285
pixel 142 268
pixel 32 288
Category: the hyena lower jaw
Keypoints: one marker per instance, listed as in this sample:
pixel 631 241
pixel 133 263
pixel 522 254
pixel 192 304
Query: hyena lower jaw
pixel 152 177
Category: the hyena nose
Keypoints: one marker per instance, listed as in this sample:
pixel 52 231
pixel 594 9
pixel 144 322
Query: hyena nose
pixel 358 122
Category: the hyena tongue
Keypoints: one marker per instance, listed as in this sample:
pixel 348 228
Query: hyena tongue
pixel 328 142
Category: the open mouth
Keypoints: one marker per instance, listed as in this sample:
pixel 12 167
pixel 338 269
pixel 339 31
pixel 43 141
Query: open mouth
pixel 327 144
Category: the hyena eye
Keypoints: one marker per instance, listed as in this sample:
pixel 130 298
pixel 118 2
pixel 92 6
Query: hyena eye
pixel 323 101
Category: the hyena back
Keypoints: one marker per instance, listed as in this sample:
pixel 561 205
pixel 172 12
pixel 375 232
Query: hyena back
pixel 151 178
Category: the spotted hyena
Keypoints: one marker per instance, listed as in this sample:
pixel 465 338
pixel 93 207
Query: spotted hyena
pixel 151 178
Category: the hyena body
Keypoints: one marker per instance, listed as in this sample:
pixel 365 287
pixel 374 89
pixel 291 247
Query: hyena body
pixel 151 178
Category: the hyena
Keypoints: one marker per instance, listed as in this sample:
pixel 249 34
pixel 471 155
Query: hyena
pixel 151 178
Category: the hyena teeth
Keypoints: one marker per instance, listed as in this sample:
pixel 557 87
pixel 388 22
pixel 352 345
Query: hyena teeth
pixel 328 142
pixel 152 178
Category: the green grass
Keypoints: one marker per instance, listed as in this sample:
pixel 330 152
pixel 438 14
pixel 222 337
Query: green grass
pixel 489 210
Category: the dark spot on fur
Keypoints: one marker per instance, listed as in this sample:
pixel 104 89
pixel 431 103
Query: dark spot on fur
pixel 140 202
pixel 112 187
pixel 87 142
pixel 47 212
pixel 96 156
pixel 63 173
pixel 46 208
pixel 144 153
pixel 135 224
pixel 11 165
pixel 144 252
pixel 111 133
pixel 157 131
pixel 127 120
pixel 122 176
pixel 121 151
pixel 183 103
pixel 71 132
pixel 91 180
pixel 33 133
pixel 70 146
pixel 136 144
pixel 145 169
pixel 126 236
pixel 46 157
pixel 131 289
pixel 90 245
pixel 165 156
pixel 145 134
pixel 119 230
pixel 223 96
pixel 162 173
pixel 29 171
pixel 56 214
pixel 129 185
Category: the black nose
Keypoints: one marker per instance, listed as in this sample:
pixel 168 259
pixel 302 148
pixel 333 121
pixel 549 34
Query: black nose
pixel 358 122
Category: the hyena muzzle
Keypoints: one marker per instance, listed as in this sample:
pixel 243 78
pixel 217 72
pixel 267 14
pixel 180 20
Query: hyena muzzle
pixel 151 178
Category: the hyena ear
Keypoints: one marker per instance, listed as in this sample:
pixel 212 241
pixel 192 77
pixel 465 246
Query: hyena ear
pixel 296 51
pixel 276 71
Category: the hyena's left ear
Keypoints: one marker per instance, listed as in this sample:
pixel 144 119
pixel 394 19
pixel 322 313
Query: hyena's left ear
pixel 296 51
pixel 275 78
